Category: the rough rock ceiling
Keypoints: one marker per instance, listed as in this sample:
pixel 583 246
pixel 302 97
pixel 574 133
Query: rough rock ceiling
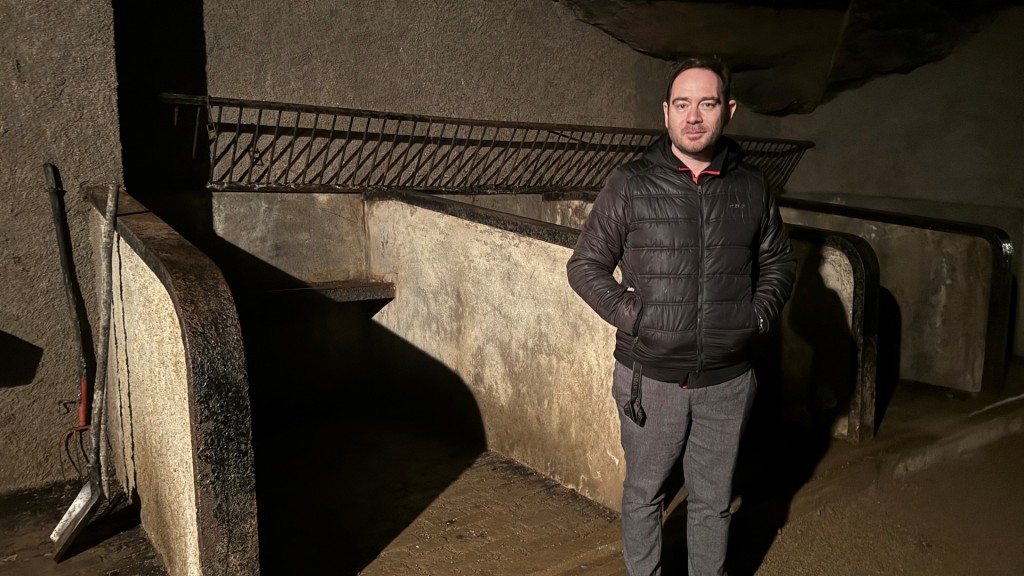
pixel 788 56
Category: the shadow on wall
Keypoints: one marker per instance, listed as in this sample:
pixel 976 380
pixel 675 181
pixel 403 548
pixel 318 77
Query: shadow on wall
pixel 816 315
pixel 355 430
pixel 890 329
pixel 807 392
pixel 19 361
pixel 1014 295
pixel 804 385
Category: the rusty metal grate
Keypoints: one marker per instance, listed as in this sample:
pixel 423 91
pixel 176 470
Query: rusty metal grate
pixel 269 146
pixel 777 158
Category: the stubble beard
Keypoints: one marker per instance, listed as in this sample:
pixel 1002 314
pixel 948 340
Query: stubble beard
pixel 704 146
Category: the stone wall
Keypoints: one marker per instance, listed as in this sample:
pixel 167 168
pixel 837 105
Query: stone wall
pixel 946 133
pixel 57 104
pixel 504 60
pixel 275 240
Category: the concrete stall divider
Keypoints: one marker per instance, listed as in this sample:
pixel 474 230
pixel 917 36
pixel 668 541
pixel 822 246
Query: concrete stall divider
pixel 828 339
pixel 946 290
pixel 178 424
pixel 946 295
pixel 1006 218
pixel 496 309
pixel 485 293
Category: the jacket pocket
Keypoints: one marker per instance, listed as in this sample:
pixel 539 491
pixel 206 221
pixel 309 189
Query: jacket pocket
pixel 631 312
pixel 622 311
pixel 654 344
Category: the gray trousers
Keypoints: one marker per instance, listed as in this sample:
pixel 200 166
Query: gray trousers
pixel 703 424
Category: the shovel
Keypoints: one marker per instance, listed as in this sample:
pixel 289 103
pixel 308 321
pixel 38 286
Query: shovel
pixel 89 497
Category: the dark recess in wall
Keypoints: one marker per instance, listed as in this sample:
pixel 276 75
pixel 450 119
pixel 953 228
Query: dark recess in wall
pixel 160 47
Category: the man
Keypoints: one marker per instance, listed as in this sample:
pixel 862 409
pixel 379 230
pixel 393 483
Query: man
pixel 705 265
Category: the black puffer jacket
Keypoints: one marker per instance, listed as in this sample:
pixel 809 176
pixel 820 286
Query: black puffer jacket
pixel 700 262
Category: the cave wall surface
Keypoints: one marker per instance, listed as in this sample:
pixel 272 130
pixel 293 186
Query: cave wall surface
pixel 58 104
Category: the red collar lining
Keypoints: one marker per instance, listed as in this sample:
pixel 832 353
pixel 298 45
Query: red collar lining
pixel 697 176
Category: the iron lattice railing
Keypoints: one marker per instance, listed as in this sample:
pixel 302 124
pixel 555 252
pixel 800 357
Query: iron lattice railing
pixel 269 146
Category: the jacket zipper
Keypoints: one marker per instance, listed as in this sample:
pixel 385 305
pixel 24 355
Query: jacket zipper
pixel 636 326
pixel 700 278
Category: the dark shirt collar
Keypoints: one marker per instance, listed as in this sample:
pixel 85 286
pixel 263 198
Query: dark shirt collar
pixel 724 149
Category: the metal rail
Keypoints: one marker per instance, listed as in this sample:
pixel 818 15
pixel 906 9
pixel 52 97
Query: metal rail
pixel 270 146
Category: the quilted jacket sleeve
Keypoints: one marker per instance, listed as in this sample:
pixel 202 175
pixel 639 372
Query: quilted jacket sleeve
pixel 598 251
pixel 776 265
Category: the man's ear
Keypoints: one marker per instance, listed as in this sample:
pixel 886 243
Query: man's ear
pixel 664 109
pixel 732 108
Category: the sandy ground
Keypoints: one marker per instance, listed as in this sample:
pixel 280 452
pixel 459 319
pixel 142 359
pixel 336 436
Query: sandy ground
pixel 411 490
pixel 114 544
pixel 960 518
pixel 497 518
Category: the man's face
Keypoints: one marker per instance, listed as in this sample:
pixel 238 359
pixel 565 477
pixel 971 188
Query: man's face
pixel 696 115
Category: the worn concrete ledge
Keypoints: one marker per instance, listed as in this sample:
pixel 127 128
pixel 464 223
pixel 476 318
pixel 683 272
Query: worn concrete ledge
pixel 343 290
pixel 552 233
pixel 218 402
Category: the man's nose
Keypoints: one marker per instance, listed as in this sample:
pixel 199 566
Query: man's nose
pixel 693 116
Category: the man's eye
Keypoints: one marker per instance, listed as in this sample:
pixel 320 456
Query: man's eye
pixel 708 105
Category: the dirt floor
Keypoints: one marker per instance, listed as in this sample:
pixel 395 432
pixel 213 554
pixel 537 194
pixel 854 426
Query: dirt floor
pixel 960 518
pixel 498 518
pixel 114 544
pixel 346 487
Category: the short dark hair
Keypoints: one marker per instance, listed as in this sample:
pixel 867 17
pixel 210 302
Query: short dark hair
pixel 712 63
